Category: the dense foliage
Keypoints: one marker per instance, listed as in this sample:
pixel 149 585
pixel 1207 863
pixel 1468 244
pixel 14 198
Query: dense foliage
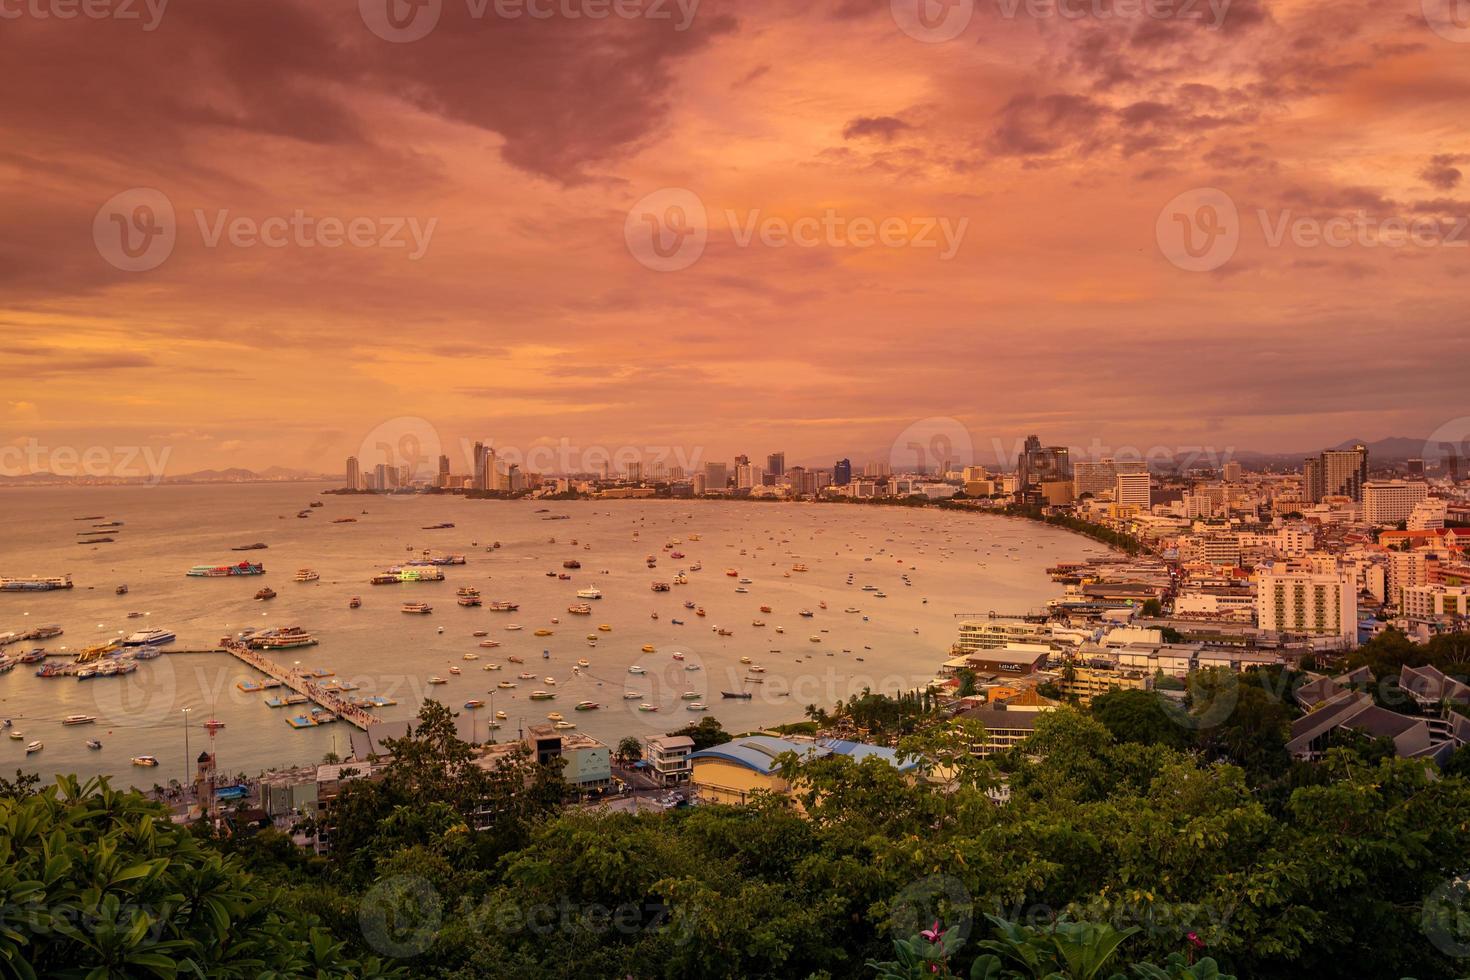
pixel 99 883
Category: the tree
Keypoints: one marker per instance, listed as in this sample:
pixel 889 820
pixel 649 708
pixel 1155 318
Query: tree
pixel 1139 716
pixel 97 882
pixel 1153 608
pixel 706 734
pixel 629 751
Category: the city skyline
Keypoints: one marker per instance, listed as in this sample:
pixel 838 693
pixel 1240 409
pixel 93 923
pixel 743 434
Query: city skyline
pixel 498 272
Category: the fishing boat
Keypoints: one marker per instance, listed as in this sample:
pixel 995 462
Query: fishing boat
pixel 503 606
pixel 94 745
pixel 146 761
pixel 307 575
pixel 737 695
pixel 355 602
pixel 526 675
pixel 121 590
pixel 587 706
pixel 265 593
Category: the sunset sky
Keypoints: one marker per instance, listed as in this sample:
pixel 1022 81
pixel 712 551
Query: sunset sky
pixel 522 148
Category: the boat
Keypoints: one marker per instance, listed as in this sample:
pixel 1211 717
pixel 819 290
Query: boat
pixel 648 648
pixel 549 681
pixel 78 720
pixel 265 593
pixel 526 675
pixel 543 632
pixel 257 546
pixel 36 584
pixel 677 656
pixel 307 575
pixel 563 726
pixel 418 608
pixel 691 666
pixel 437 527
pixel 454 670
pixel 505 685
pixel 647 707
pixel 489 644
pixel 355 602
pixel 806 614
pixel 724 632
pixel 93 744
pixel 757 669
pixel 732 572
pixel 473 703
pixel 584 663
pixel 515 660
pixel 661 587
pixel 344 520
pixel 635 669
pixel 580 609
pixel 515 627
pixel 765 609
pixel 815 638
pixel 589 593
pixel 31 657
pixel 149 638
pixel 121 590
pixel 690 696
pixel 224 571
pixel 737 695
pixel 798 567
pixel 503 606
pixel 542 696
pixel 697 706
pixel 436 681
pixel 631 696
pixel 587 706
pixel 700 611
pixel 571 563
pixel 17 735
pixel 604 628
pixel 147 761
pixel 213 725
pixel 35 746
pixel 757 622
pixel 470 656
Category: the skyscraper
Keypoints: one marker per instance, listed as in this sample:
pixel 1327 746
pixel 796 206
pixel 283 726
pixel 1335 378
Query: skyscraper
pixel 477 468
pixel 1335 473
pixel 354 474
pixel 842 473
pixel 443 471
pixel 1040 464
pixel 716 477
pixel 776 464
pixel 1134 490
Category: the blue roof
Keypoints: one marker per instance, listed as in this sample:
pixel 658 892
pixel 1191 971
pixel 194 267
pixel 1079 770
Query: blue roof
pixel 759 752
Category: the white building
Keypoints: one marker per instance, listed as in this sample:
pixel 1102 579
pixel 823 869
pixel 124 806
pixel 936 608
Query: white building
pixel 1431 601
pixel 1134 490
pixel 1386 502
pixel 1428 515
pixel 1315 603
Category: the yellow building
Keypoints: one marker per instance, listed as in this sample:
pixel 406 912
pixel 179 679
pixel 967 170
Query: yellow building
pixel 1086 683
pixel 735 771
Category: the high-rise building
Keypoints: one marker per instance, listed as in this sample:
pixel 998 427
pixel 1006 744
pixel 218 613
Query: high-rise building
pixel 1315 603
pixel 354 474
pixel 700 483
pixel 842 473
pixel 1335 473
pixel 443 470
pixel 489 475
pixel 1093 476
pixel 716 477
pixel 1134 490
pixel 477 472
pixel 1232 472
pixel 776 464
pixel 877 469
pixel 1416 467
pixel 1391 501
pixel 635 472
pixel 1040 464
pixel 744 476
pixel 1449 455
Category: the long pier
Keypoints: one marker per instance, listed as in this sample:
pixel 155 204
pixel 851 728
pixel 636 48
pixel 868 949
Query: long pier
pixel 329 700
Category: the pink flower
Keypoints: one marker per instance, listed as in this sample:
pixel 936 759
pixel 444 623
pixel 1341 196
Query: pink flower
pixel 1193 938
pixel 933 934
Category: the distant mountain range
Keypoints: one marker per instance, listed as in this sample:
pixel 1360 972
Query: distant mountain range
pixel 274 474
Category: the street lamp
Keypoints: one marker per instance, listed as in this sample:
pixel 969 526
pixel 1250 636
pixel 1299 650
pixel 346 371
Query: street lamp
pixel 186 751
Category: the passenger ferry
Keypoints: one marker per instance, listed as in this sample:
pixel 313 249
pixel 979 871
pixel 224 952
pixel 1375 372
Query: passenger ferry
pixel 35 584
pixel 589 593
pixel 418 608
pixel 307 575
pixel 149 637
pixel 223 571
